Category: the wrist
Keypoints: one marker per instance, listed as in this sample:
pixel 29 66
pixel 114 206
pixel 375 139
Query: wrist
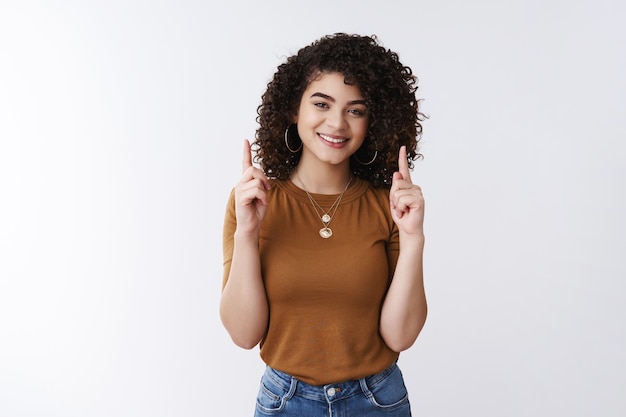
pixel 246 236
pixel 413 241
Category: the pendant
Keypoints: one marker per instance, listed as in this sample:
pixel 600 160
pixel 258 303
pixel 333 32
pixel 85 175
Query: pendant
pixel 326 218
pixel 326 232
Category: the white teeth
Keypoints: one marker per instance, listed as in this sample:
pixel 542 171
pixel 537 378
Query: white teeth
pixel 333 140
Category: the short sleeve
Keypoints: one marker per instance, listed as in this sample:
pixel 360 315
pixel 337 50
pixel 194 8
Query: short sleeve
pixel 393 249
pixel 230 224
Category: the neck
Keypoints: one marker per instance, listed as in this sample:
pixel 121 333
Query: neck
pixel 322 180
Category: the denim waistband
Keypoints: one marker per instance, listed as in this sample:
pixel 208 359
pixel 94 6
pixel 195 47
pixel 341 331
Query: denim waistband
pixel 328 392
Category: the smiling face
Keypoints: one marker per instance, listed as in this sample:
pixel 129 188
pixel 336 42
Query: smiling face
pixel 332 121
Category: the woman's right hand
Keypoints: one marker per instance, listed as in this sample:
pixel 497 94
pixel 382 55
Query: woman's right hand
pixel 250 195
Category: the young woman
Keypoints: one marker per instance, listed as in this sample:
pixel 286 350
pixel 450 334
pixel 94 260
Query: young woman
pixel 323 243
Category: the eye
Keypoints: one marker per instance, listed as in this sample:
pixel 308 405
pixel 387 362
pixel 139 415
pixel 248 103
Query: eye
pixel 321 105
pixel 357 112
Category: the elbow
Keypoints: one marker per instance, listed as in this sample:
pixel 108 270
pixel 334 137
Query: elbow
pixel 400 344
pixel 244 343
pixel 401 339
pixel 244 337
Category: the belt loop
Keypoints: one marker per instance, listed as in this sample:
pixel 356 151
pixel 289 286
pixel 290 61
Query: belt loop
pixel 365 388
pixel 292 388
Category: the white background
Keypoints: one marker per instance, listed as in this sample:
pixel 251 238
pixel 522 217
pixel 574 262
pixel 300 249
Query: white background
pixel 121 125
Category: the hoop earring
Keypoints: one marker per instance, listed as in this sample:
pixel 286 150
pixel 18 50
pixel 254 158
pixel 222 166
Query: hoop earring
pixel 287 141
pixel 366 163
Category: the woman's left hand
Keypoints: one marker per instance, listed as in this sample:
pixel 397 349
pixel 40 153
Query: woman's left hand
pixel 406 199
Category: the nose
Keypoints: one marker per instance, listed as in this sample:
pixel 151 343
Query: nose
pixel 336 119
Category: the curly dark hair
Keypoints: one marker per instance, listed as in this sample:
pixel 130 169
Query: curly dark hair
pixel 388 88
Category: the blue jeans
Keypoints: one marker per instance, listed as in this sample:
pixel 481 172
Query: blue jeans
pixel 382 394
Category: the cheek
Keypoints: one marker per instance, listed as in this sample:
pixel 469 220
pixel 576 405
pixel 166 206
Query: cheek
pixel 361 129
pixel 305 117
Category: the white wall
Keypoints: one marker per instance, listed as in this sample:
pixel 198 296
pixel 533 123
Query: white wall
pixel 121 125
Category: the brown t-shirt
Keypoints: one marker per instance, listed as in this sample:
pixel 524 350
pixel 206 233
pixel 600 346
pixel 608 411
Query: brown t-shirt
pixel 324 295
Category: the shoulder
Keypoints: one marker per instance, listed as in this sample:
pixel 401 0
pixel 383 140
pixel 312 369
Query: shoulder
pixel 375 198
pixel 379 193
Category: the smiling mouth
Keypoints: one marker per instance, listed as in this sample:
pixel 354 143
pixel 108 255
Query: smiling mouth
pixel 333 139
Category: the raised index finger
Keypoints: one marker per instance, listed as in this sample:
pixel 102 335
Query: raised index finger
pixel 247 156
pixel 403 164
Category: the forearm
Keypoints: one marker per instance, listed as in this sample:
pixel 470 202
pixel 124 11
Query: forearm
pixel 243 305
pixel 404 309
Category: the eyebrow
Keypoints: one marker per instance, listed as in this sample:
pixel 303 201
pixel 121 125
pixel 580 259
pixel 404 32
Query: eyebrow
pixel 329 98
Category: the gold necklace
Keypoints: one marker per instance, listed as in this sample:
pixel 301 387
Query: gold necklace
pixel 326 218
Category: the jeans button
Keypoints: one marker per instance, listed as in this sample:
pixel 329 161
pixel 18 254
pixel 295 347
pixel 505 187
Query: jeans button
pixel 331 392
